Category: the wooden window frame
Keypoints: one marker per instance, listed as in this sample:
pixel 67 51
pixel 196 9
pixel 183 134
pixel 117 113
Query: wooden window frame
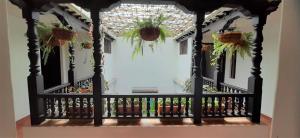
pixel 232 74
pixel 107 46
pixel 183 47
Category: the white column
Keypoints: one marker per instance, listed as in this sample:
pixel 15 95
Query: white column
pixel 7 116
pixel 286 120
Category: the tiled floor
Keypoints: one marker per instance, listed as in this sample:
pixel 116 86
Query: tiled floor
pixel 141 122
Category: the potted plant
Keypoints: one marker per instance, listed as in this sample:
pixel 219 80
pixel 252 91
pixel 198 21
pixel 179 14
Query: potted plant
pixel 128 107
pixel 231 42
pixel 88 44
pixel 149 29
pixel 51 36
pixel 168 106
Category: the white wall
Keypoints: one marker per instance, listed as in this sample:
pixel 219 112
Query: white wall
pixel 154 69
pixel 7 118
pixel 286 121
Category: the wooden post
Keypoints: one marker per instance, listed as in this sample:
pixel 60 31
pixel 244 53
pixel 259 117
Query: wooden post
pixel 35 79
pixel 197 80
pixel 71 72
pixel 255 80
pixel 97 78
pixel 219 72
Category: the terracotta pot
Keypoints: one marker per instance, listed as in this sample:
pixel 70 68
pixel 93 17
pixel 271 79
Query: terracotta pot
pixel 168 109
pixel 128 110
pixel 87 45
pixel 230 37
pixel 84 90
pixel 63 34
pixel 149 33
pixel 76 111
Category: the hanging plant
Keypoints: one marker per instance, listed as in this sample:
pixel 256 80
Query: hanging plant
pixel 88 44
pixel 51 36
pixel 231 42
pixel 149 29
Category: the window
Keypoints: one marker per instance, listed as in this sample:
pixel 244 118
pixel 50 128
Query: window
pixel 183 47
pixel 233 66
pixel 107 46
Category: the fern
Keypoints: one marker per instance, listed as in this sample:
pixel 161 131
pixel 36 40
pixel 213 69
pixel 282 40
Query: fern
pixel 134 34
pixel 231 48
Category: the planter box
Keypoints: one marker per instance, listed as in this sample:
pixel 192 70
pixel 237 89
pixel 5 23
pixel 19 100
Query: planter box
pixel 168 110
pixel 128 110
pixel 76 111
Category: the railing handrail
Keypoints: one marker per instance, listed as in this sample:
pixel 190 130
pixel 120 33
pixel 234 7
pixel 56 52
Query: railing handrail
pixel 226 94
pixel 208 79
pixel 55 88
pixel 147 95
pixel 235 87
pixel 85 78
pixel 57 95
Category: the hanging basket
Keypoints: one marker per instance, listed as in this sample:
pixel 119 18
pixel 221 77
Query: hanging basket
pixel 231 37
pixel 87 45
pixel 150 33
pixel 63 34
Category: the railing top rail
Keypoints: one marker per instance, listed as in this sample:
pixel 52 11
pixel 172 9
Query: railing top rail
pixel 226 94
pixel 56 87
pixel 235 87
pixel 147 95
pixel 65 94
pixel 209 79
pixel 84 78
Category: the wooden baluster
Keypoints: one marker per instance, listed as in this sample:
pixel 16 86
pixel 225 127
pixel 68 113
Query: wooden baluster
pixel 124 107
pixel 108 107
pixel 117 106
pixel 89 106
pixel 132 106
pixel 53 107
pixel 179 107
pixel 45 106
pixel 226 106
pixel 164 107
pixel 205 106
pixel 156 106
pixel 81 107
pixel 74 107
pixel 187 106
pixel 220 105
pixel 240 105
pixel 148 106
pixel 213 107
pixel 172 107
pixel 59 107
pixel 246 105
pixel 140 107
pixel 233 106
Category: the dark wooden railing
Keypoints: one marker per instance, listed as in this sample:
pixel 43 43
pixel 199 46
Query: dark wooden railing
pixel 62 103
pixel 147 106
pixel 226 105
pixel 208 81
pixel 227 88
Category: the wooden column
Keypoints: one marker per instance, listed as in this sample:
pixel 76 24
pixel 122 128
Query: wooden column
pixel 219 72
pixel 97 78
pixel 35 79
pixel 255 80
pixel 71 72
pixel 197 80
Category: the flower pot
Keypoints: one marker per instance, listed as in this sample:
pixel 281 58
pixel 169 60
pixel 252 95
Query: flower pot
pixel 205 48
pixel 128 110
pixel 230 37
pixel 168 109
pixel 87 45
pixel 63 34
pixel 76 111
pixel 150 33
pixel 84 90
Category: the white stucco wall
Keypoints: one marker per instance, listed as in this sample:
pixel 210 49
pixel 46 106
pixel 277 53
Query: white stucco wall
pixel 286 119
pixel 154 69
